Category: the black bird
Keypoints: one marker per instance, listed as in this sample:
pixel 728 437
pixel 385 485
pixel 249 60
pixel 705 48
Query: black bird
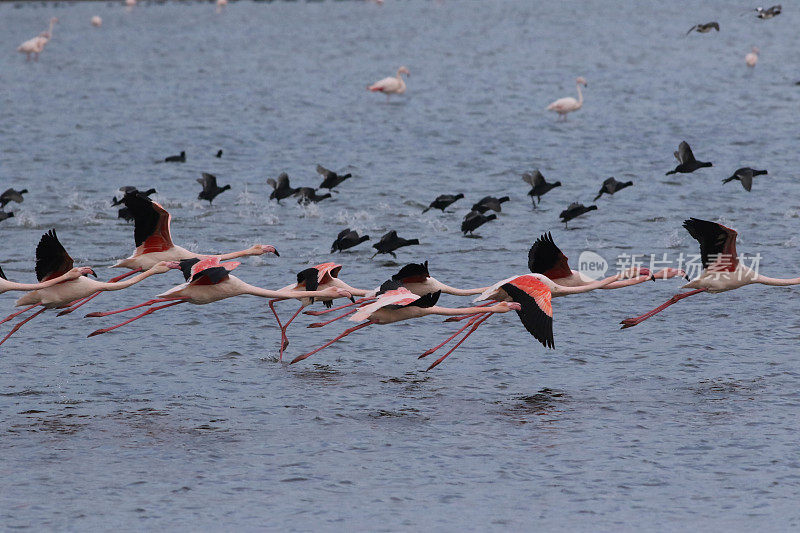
pixel 4 215
pixel 210 188
pixel 346 239
pixel 176 158
pixel 11 195
pixel 282 187
pixel 745 175
pixel 330 178
pixel 489 202
pixel 539 185
pixel 704 28
pixel 575 209
pixel 443 201
pixel 611 185
pixel 687 162
pixel 124 212
pixel 474 220
pixel 219 154
pixel 306 195
pixel 768 13
pixel 391 242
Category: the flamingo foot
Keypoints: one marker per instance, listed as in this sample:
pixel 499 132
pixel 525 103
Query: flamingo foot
pixel 451 337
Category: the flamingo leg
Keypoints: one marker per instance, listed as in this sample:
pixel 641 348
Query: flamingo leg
pixel 320 324
pixel 285 342
pixel 464 317
pixel 145 304
pixel 22 323
pixel 326 311
pixel 12 315
pixel 344 334
pixel 137 317
pixel 630 322
pixel 451 337
pixel 470 332
pixel 78 303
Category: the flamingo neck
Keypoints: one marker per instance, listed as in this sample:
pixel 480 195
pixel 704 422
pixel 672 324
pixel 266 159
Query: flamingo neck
pixel 599 284
pixel 777 282
pixel 234 255
pixel 580 94
pixel 118 286
pixel 460 292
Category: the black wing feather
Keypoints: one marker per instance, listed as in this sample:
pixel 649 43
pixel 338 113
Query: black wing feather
pixel 536 321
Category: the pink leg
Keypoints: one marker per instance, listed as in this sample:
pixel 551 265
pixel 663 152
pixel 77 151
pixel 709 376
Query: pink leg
pixel 12 315
pixel 78 303
pixel 137 317
pixel 630 322
pixel 320 324
pixel 22 323
pixel 285 342
pixel 470 332
pixel 345 333
pixel 460 318
pixel 145 304
pixel 326 311
pixel 451 337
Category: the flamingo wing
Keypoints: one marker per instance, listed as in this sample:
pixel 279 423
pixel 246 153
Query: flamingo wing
pixel 386 84
pixel 413 273
pixel 52 260
pixel 326 271
pixel 536 313
pixel 399 297
pixel 151 224
pixel 546 258
pixel 717 244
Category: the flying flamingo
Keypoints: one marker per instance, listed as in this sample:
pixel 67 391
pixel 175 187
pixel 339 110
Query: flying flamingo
pixel 208 280
pixel 316 278
pixel 722 270
pixel 73 273
pixel 752 58
pixel 401 304
pixel 53 261
pixel 36 45
pixel 562 106
pixel 154 243
pixel 391 85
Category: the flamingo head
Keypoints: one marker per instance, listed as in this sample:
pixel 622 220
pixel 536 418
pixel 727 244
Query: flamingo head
pixel 164 266
pixel 756 50
pixel 582 81
pixel 85 271
pixel 261 249
pixel 53 20
pixel 403 70
pixel 508 306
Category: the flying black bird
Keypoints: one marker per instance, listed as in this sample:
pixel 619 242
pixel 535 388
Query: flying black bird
pixel 219 154
pixel 489 202
pixel 176 158
pixel 539 185
pixel 575 209
pixel 4 215
pixel 443 201
pixel 306 195
pixel 391 242
pixel 745 175
pixel 330 178
pixel 687 162
pixel 611 185
pixel 704 28
pixel 11 195
pixel 768 13
pixel 210 188
pixel 124 212
pixel 282 189
pixel 347 239
pixel 474 220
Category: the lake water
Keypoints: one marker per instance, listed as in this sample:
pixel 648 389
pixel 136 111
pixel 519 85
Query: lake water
pixel 186 420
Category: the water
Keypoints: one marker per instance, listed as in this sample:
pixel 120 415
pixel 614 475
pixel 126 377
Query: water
pixel 187 421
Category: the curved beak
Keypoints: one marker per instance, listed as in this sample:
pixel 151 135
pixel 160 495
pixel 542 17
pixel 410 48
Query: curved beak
pixel 92 272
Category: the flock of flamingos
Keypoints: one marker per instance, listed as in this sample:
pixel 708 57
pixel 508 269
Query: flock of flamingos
pixel 409 294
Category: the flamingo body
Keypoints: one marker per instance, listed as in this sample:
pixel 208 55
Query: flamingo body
pixel 562 106
pixel 392 84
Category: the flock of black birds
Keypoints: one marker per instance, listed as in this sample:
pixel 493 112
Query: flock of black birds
pixel 761 13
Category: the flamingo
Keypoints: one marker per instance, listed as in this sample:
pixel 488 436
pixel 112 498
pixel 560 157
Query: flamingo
pixel 391 85
pixel 322 276
pixel 73 273
pixel 752 58
pixel 97 21
pixel 221 5
pixel 209 280
pixel 722 270
pixel 401 304
pixel 53 261
pixel 154 243
pixel 36 45
pixel 562 106
pixel 129 5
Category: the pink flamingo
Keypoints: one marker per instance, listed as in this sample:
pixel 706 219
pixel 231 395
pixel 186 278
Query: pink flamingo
pixel 97 21
pixel 391 85
pixel 401 304
pixel 562 106
pixel 752 58
pixel 221 5
pixel 722 270
pixel 73 273
pixel 53 261
pixel 154 243
pixel 36 45
pixel 209 280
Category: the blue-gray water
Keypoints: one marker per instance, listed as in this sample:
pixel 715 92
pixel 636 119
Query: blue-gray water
pixel 187 421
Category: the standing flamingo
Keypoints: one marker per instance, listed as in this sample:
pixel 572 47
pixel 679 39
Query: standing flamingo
pixel 722 270
pixel 562 106
pixel 36 45
pixel 752 58
pixel 154 243
pixel 391 85
pixel 208 280
pixel 53 261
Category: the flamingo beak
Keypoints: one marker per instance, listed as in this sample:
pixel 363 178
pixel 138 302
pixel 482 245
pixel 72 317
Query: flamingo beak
pixel 92 272
pixel 271 249
pixel 173 264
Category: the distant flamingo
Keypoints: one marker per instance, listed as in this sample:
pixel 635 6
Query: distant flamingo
pixel 154 243
pixel 722 270
pixel 36 45
pixel 129 5
pixel 401 304
pixel 97 21
pixel 53 261
pixel 208 280
pixel 391 85
pixel 752 58
pixel 562 106
pixel 221 4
